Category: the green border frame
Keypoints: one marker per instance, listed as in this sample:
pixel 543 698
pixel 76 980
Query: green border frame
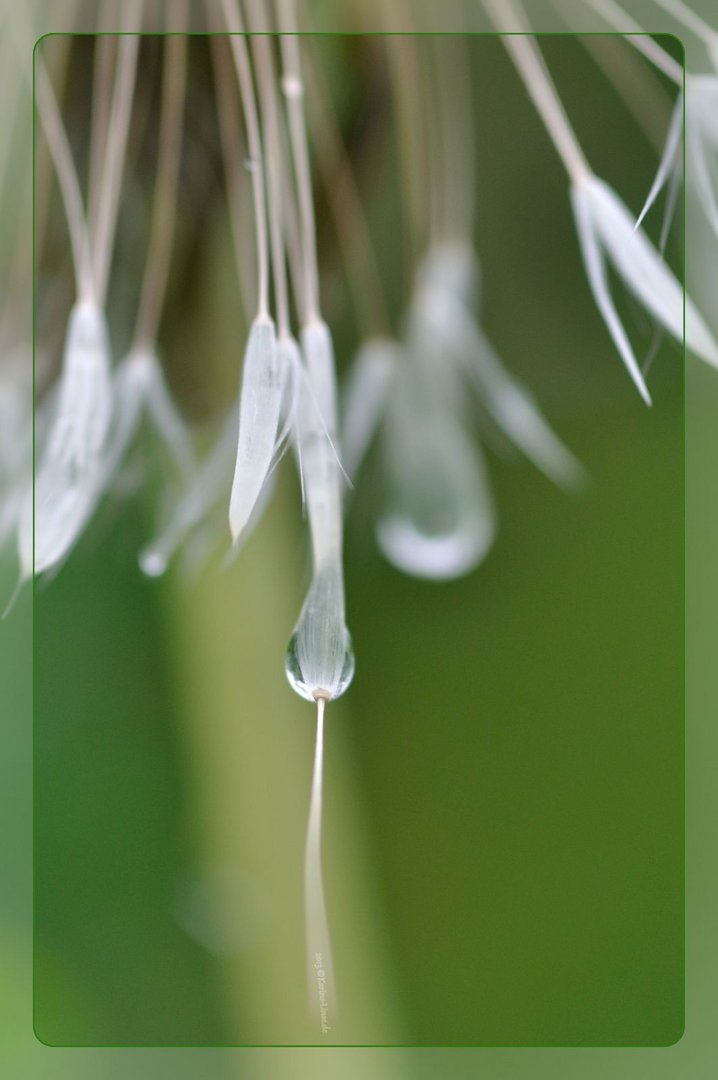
pixel 695 1050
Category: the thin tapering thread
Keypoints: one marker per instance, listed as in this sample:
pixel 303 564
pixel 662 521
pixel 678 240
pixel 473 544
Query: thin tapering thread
pixel 67 178
pixel 352 228
pixel 58 144
pixel 120 114
pixel 319 956
pixel 688 18
pixel 509 21
pixel 644 95
pixel 236 181
pixel 105 53
pixel 293 87
pixel 166 183
pixel 408 91
pixel 615 16
pixel 458 183
pixel 269 106
pixel 235 25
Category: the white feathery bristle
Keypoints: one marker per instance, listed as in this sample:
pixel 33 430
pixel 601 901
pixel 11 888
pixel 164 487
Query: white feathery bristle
pixel 670 159
pixel 606 227
pixel 259 410
pixel 84 405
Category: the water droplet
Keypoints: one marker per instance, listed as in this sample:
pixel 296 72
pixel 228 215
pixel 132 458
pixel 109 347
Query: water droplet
pixel 296 680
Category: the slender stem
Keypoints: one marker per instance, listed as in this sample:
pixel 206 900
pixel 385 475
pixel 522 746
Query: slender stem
pixel 108 200
pixel 245 735
pixel 100 123
pixel 409 91
pixel 454 100
pixel 229 127
pixel 360 259
pixel 615 16
pixel 687 17
pixel 48 110
pixel 13 86
pixel 643 93
pixel 320 968
pixel 294 91
pixel 269 105
pixel 435 144
pixel 508 16
pixel 166 183
pixel 20 256
pixel 293 239
pixel 233 20
pixel 67 177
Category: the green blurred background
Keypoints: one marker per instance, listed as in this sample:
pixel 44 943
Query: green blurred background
pixel 504 822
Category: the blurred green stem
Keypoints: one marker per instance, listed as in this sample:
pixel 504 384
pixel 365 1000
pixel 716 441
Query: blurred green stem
pixel 249 743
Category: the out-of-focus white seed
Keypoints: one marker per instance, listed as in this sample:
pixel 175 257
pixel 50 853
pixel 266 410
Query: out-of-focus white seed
pixel 84 405
pixel 319 657
pixel 439 521
pixel 365 397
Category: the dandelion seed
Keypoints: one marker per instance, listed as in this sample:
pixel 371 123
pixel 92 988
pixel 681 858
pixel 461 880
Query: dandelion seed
pixel 259 408
pixel 165 417
pixel 319 358
pixel 320 658
pixel 443 318
pixel 606 231
pixel 63 504
pixel 439 520
pixel 205 490
pixel 514 409
pixel 290 363
pixel 365 398
pixel 670 162
pixel 605 226
pixel 451 268
pixel 71 470
pixel 84 403
pixel 140 386
pixel 321 986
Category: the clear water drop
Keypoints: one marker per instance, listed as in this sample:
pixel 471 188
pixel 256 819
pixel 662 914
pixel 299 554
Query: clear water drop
pixel 297 681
